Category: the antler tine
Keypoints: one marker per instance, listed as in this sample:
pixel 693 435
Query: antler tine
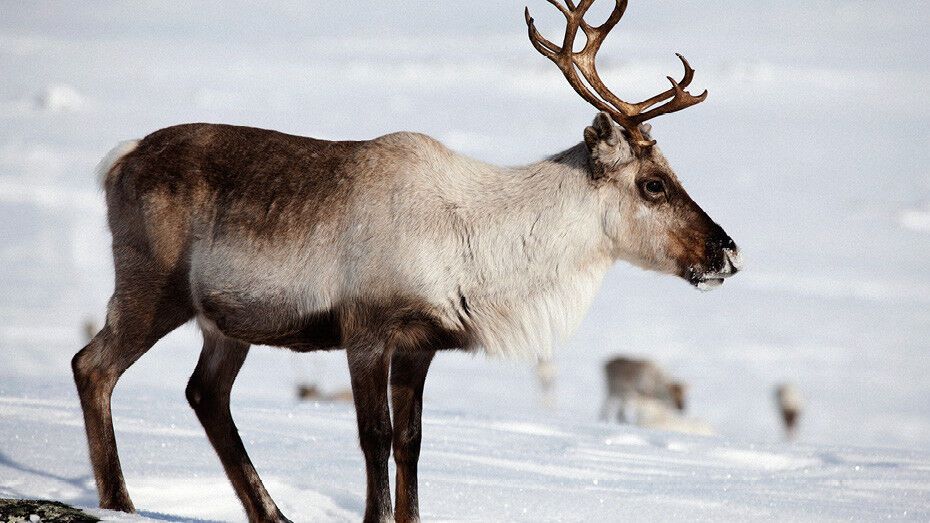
pixel 598 33
pixel 681 100
pixel 561 8
pixel 685 80
pixel 578 15
pixel 583 7
pixel 541 43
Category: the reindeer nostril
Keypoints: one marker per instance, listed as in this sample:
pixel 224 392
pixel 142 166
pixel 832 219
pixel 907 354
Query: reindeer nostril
pixel 728 243
pixel 734 260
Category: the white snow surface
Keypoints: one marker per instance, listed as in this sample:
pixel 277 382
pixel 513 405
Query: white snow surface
pixel 812 151
pixel 473 467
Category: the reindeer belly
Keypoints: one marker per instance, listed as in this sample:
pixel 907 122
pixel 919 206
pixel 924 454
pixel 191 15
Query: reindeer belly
pixel 262 299
pixel 271 324
pixel 406 325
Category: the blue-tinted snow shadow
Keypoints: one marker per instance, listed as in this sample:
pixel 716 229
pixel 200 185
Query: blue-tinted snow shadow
pixel 158 516
pixel 87 496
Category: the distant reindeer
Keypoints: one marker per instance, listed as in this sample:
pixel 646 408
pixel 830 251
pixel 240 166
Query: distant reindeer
pixel 789 403
pixel 392 249
pixel 635 386
pixel 309 392
pixel 546 374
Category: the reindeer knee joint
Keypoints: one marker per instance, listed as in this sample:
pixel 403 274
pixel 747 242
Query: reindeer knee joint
pixel 375 437
pixel 407 445
pixel 194 393
pixel 77 364
pixel 88 370
pixel 406 437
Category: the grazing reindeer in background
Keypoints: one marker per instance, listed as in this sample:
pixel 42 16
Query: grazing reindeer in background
pixel 391 249
pixel 789 403
pixel 634 385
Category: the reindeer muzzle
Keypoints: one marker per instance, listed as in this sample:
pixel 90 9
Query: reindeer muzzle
pixel 724 261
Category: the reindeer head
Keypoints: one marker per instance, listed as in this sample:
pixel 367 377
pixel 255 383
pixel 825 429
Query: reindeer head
pixel 649 217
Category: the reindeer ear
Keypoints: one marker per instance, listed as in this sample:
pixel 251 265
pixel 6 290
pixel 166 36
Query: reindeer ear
pixel 602 129
pixel 607 144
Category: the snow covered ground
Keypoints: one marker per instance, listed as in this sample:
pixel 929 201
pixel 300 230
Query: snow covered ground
pixel 473 468
pixel 813 151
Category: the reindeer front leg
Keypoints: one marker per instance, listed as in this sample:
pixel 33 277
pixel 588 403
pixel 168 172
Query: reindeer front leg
pixel 368 367
pixel 408 375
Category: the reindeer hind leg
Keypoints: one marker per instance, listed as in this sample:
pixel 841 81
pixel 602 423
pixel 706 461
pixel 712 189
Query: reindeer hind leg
pixel 208 393
pixel 146 305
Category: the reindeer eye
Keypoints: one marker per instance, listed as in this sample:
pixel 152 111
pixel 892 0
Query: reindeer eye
pixel 654 187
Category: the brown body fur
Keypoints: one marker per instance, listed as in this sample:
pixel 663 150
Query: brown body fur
pixel 217 180
pixel 206 181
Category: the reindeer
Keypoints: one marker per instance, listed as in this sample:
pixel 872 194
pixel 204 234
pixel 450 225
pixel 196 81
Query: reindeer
pixel 789 403
pixel 392 249
pixel 634 386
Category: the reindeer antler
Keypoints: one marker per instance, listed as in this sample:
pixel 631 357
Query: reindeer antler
pixel 629 115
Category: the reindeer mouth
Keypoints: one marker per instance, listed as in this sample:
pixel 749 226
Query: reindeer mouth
pixel 710 280
pixel 707 281
pixel 708 284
